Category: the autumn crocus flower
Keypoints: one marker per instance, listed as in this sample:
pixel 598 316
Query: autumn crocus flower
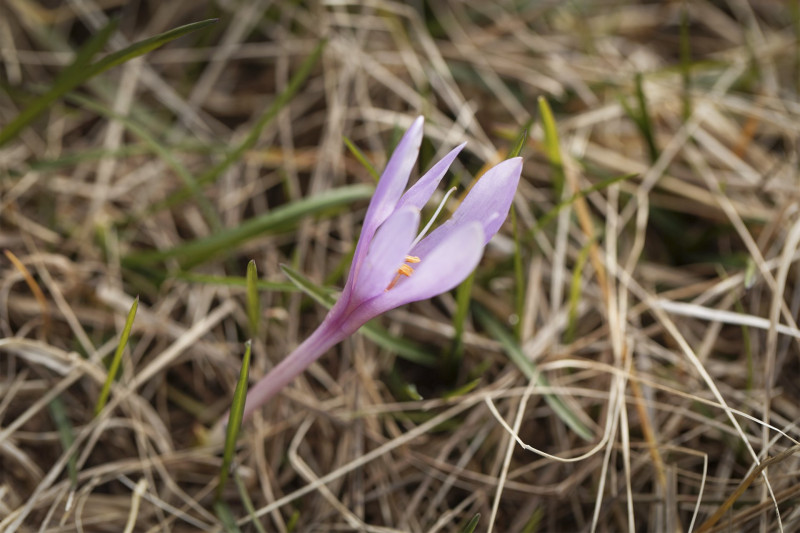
pixel 392 265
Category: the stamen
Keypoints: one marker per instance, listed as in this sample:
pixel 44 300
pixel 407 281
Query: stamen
pixel 433 218
pixel 404 270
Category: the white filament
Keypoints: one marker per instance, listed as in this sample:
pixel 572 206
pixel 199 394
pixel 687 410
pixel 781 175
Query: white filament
pixel 433 218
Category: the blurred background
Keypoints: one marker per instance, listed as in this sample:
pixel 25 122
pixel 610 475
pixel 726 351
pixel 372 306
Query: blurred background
pixel 625 357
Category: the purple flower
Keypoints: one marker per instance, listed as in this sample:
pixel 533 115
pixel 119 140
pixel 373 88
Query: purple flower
pixel 391 265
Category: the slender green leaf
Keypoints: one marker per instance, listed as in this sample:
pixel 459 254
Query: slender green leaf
pixel 253 304
pixel 575 293
pixel 472 524
pixel 225 516
pixel 552 147
pixel 402 347
pixel 519 276
pixel 359 155
pixel 234 281
pixel 519 144
pixel 116 361
pixel 644 122
pixel 452 362
pixel 528 368
pixel 80 71
pixel 225 241
pixel 234 420
pixel 66 434
pixel 244 494
pixel 68 79
pixel 686 61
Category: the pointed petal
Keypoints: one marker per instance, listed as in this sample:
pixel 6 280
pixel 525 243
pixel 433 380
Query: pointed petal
pixel 386 253
pixel 419 193
pixel 488 203
pixel 444 268
pixel 390 187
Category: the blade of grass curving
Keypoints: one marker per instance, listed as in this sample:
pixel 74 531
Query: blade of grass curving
pixel 527 367
pixel 234 281
pixel 248 503
pixel 472 524
pixel 552 147
pixel 359 155
pixel 80 70
pixel 66 435
pixel 575 293
pixel 116 361
pixel 225 516
pixel 253 304
pixel 234 421
pixel 402 347
pixel 68 79
pixel 225 241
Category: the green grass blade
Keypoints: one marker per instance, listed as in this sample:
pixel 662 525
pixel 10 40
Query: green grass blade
pixel 66 434
pixel 80 71
pixel 552 147
pixel 575 293
pixel 403 348
pixel 142 47
pixel 452 362
pixel 225 241
pixel 514 352
pixel 68 79
pixel 234 281
pixel 234 420
pixel 644 122
pixel 359 155
pixel 519 276
pixel 472 524
pixel 116 361
pixel 519 144
pixel 686 61
pixel 253 304
pixel 225 516
pixel 248 503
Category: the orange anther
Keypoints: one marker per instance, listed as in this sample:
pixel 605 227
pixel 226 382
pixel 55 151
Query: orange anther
pixel 404 270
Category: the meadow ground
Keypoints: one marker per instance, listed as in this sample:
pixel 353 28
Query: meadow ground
pixel 624 358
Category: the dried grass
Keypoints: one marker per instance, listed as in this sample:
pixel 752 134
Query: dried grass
pixel 685 363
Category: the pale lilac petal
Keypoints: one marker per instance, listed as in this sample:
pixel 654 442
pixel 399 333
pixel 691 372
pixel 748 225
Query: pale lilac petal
pixel 444 268
pixel 386 253
pixel 488 203
pixel 390 187
pixel 419 193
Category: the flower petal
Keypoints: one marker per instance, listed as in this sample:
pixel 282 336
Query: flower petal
pixel 444 268
pixel 386 253
pixel 390 187
pixel 488 203
pixel 419 193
